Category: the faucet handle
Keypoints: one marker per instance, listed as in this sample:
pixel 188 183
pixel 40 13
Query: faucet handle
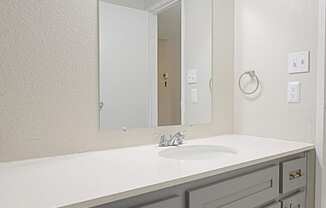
pixel 180 136
pixel 182 133
pixel 163 141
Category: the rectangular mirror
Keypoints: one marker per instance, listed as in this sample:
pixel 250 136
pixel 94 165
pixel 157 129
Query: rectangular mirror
pixel 155 63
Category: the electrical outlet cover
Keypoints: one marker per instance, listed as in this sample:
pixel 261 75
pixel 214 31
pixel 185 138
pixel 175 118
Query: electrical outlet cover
pixel 294 92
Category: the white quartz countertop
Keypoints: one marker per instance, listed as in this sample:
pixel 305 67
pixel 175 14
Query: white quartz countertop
pixel 90 179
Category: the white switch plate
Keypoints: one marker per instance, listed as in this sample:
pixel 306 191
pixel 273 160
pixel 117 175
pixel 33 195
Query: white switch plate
pixel 294 92
pixel 192 76
pixel 194 95
pixel 299 62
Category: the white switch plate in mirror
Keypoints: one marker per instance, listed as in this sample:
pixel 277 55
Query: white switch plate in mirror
pixel 192 76
pixel 294 92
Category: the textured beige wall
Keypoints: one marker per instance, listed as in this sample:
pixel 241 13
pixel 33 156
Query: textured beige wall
pixel 266 31
pixel 49 81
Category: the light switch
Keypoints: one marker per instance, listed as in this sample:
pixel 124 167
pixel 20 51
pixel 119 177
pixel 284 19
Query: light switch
pixel 192 76
pixel 299 62
pixel 194 95
pixel 294 92
pixel 302 61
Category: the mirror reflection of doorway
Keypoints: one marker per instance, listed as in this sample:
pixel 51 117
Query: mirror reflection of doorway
pixel 169 66
pixel 155 63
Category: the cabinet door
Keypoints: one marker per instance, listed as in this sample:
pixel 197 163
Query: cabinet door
pixel 247 191
pixel 295 201
pixel 174 202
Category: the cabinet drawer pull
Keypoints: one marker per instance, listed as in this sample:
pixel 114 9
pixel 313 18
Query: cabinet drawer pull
pixel 295 174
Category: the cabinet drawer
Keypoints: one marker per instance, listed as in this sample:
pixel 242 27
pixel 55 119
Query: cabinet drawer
pixel 295 201
pixel 250 190
pixel 293 175
pixel 276 205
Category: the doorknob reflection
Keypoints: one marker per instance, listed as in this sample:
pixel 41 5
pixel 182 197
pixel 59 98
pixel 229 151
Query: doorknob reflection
pixel 165 79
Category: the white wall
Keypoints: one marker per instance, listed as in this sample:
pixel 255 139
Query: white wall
pixel 124 69
pixel 266 31
pixel 49 81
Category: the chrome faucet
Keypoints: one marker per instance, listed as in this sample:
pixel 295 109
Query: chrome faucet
pixel 175 140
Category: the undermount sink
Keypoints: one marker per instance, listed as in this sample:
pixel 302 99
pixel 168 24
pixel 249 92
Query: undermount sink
pixel 197 152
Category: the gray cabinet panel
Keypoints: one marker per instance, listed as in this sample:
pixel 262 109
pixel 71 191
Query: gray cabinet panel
pixel 143 202
pixel 276 205
pixel 293 175
pixel 295 201
pixel 174 202
pixel 250 190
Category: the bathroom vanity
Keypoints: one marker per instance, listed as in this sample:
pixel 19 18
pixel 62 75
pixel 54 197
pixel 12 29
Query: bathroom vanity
pixel 230 171
pixel 274 184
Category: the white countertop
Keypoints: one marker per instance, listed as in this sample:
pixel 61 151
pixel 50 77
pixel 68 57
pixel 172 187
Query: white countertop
pixel 89 179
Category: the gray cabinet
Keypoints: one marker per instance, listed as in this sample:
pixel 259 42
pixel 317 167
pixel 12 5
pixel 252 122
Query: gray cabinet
pixel 250 190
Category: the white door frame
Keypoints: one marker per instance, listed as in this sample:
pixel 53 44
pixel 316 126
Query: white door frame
pixel 320 142
pixel 153 65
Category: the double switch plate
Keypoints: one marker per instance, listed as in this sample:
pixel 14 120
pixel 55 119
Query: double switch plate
pixel 299 62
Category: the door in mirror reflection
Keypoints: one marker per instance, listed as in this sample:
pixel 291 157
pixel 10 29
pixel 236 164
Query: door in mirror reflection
pixel 169 66
pixel 155 63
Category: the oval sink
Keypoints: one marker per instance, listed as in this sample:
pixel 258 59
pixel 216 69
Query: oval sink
pixel 197 152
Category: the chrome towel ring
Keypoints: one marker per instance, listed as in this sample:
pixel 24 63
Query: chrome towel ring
pixel 252 74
